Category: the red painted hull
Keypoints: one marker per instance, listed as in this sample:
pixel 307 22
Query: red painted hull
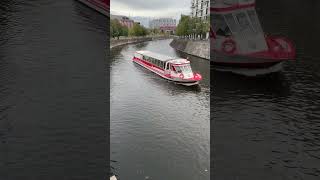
pixel 263 59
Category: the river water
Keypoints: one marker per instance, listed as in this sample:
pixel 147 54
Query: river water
pixel 52 91
pixel 269 127
pixel 159 130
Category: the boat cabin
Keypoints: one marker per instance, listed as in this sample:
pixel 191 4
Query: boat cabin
pixel 236 28
pixel 169 66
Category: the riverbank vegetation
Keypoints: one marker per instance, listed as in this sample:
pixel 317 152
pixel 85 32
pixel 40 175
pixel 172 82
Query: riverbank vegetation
pixel 137 30
pixel 117 30
pixel 193 27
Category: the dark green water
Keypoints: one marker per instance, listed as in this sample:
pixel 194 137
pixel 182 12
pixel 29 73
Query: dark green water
pixel 268 128
pixel 159 130
pixel 52 91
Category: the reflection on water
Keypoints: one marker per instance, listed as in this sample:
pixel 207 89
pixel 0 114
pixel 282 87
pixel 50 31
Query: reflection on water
pixel 158 129
pixel 268 127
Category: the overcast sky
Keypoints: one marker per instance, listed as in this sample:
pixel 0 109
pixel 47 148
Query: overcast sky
pixel 151 8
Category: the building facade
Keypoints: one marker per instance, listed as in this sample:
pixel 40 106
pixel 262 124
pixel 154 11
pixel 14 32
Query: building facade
pixel 168 25
pixel 200 8
pixel 123 20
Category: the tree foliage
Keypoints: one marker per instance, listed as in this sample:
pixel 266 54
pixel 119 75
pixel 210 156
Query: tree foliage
pixel 155 31
pixel 137 30
pixel 117 30
pixel 183 26
pixel 188 26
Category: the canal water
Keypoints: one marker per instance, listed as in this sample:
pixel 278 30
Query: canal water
pixel 269 127
pixel 159 130
pixel 52 91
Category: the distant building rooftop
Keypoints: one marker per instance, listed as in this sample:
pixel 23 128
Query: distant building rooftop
pixel 124 20
pixel 119 17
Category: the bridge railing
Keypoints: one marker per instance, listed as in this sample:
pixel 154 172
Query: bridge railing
pixel 141 37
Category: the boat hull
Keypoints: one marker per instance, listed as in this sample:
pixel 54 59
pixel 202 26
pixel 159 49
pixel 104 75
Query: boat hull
pixel 246 65
pixel 160 72
pixel 242 61
pixel 251 71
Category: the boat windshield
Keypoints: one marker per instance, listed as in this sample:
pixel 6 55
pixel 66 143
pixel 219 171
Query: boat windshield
pixel 220 26
pixel 185 69
pixel 245 22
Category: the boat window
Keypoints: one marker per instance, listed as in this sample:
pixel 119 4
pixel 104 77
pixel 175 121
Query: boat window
pixel 232 23
pixel 167 66
pixel 254 20
pixel 187 69
pixel 244 22
pixel 178 69
pixel 172 67
pixel 220 26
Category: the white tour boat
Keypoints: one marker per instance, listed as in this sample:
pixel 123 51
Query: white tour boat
pixel 173 69
pixel 238 42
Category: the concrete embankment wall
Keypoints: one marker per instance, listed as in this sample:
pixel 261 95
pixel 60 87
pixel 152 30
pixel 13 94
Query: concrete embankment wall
pixel 199 48
pixel 131 40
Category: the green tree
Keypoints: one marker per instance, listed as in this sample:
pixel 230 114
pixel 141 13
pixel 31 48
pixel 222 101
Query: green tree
pixel 183 26
pixel 117 30
pixel 155 31
pixel 192 26
pixel 137 30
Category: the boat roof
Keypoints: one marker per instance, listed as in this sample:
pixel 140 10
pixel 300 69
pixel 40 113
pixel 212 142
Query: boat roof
pixel 160 57
pixel 179 61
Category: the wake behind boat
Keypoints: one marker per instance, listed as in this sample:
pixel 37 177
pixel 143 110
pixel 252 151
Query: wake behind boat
pixel 174 69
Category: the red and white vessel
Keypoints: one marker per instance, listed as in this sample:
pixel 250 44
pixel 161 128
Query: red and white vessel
pixel 102 6
pixel 173 69
pixel 238 43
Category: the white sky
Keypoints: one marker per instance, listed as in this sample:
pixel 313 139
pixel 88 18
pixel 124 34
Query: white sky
pixel 151 8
